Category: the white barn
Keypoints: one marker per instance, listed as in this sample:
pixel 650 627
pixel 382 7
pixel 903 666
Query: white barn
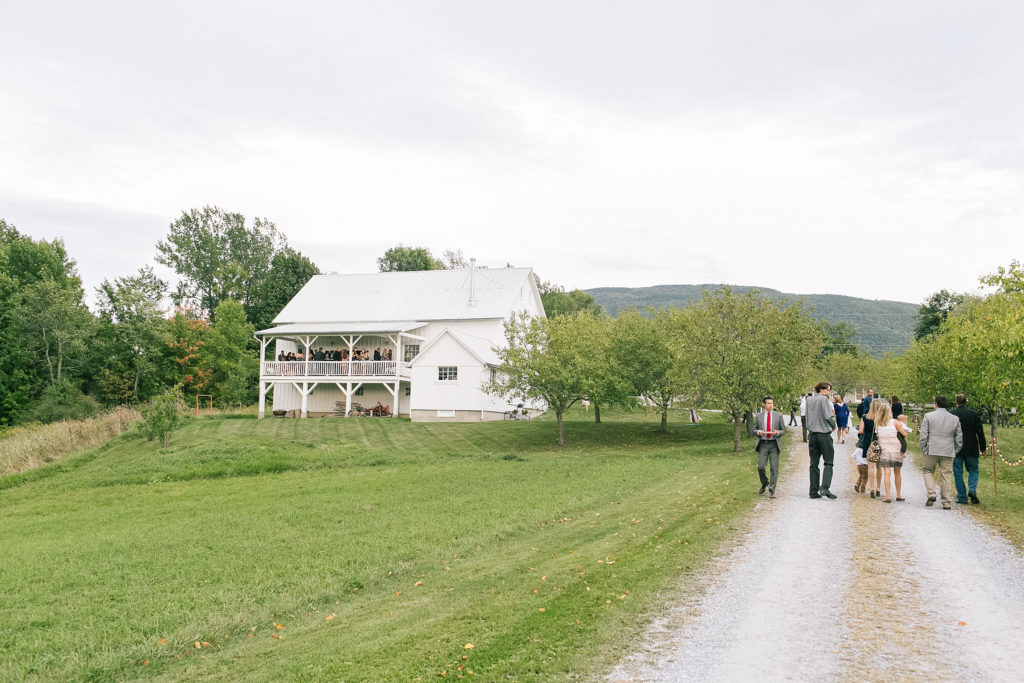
pixel 435 331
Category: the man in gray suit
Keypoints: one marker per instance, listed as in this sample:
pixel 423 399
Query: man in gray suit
pixel 941 438
pixel 821 421
pixel 769 425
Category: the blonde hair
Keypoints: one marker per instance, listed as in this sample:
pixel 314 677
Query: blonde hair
pixel 883 415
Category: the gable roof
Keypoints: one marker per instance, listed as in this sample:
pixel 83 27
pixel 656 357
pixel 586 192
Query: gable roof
pixel 479 347
pixel 417 295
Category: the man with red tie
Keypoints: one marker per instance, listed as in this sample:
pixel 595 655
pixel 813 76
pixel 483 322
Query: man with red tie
pixel 769 425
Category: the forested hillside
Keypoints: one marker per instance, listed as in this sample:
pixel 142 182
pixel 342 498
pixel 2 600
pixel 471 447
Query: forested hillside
pixel 881 325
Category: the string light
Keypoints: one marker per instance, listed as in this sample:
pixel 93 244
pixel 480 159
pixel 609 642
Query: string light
pixel 996 451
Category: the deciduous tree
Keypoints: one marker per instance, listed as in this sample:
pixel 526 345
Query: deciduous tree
pixel 731 350
pixel 403 258
pixel 217 256
pixel 548 359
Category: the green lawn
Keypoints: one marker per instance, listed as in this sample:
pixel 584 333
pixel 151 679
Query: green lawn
pixel 1003 509
pixel 361 549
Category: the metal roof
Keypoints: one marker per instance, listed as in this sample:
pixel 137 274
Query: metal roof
pixel 478 346
pixel 341 328
pixel 418 295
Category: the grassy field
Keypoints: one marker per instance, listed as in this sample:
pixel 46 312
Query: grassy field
pixel 1004 509
pixel 362 549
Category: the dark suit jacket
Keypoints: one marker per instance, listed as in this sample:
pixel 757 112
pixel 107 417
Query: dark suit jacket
pixel 974 432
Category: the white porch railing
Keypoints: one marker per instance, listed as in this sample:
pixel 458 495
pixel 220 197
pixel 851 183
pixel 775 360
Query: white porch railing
pixel 331 368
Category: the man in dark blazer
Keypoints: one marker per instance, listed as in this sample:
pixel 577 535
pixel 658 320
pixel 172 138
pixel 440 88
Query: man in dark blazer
pixel 974 446
pixel 769 425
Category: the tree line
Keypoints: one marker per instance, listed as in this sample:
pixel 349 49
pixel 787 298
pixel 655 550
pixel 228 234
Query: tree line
pixel 59 359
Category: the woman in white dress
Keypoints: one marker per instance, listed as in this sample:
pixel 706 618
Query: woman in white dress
pixel 888 431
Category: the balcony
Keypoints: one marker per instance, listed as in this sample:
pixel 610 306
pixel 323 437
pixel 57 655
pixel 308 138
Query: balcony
pixel 334 370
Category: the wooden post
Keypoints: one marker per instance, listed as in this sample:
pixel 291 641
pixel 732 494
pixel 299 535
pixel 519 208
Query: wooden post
pixel 305 399
pixel 992 452
pixel 263 399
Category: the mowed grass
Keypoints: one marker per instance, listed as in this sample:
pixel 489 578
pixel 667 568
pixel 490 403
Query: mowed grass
pixel 1004 507
pixel 360 549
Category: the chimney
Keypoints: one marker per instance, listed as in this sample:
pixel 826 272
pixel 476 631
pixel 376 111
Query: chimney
pixel 472 282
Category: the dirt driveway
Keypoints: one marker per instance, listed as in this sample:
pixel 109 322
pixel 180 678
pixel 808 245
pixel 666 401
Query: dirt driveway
pixel 850 589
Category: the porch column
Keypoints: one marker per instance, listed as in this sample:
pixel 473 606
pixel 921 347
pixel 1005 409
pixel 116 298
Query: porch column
pixel 348 393
pixel 305 399
pixel 263 397
pixel 393 390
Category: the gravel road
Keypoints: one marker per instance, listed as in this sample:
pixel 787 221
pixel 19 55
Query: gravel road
pixel 850 589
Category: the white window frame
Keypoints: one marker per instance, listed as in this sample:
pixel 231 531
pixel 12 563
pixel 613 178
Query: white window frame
pixel 447 373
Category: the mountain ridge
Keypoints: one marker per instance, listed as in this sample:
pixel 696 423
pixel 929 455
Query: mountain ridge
pixel 882 325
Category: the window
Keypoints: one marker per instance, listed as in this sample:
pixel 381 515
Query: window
pixel 408 391
pixel 447 373
pixel 411 351
pixel 494 374
pixel 358 392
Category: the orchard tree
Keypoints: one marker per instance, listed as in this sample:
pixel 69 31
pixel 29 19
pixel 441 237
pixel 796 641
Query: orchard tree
pixel 548 359
pixel 645 357
pixel 978 352
pixel 844 371
pixel 731 350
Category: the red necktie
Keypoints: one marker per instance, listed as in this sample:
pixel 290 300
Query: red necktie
pixel 768 427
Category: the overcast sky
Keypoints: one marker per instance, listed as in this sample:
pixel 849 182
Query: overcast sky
pixel 864 148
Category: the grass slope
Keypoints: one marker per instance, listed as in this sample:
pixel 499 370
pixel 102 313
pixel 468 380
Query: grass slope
pixel 881 325
pixel 360 549
pixel 1004 508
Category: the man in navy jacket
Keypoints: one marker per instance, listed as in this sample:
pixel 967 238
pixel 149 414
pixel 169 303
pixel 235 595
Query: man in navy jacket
pixel 974 446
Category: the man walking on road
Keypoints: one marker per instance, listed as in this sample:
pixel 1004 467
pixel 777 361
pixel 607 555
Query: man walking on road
pixel 865 404
pixel 803 415
pixel 769 425
pixel 820 422
pixel 942 437
pixel 974 445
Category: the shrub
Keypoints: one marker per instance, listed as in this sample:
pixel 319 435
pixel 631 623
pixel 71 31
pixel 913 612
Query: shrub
pixel 61 400
pixel 162 415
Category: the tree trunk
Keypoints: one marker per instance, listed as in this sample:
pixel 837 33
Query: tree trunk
pixel 663 429
pixel 597 412
pixel 737 431
pixel 49 363
pixel 561 428
pixel 167 439
pixel 60 357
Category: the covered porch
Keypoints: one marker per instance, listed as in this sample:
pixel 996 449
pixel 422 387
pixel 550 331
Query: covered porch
pixel 344 355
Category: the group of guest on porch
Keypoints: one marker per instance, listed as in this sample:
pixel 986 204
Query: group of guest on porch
pixel 337 355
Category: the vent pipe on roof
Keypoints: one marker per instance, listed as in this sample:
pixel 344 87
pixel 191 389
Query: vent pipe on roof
pixel 472 282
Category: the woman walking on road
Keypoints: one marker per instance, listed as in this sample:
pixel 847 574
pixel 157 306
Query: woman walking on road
pixel 842 419
pixel 891 459
pixel 867 431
